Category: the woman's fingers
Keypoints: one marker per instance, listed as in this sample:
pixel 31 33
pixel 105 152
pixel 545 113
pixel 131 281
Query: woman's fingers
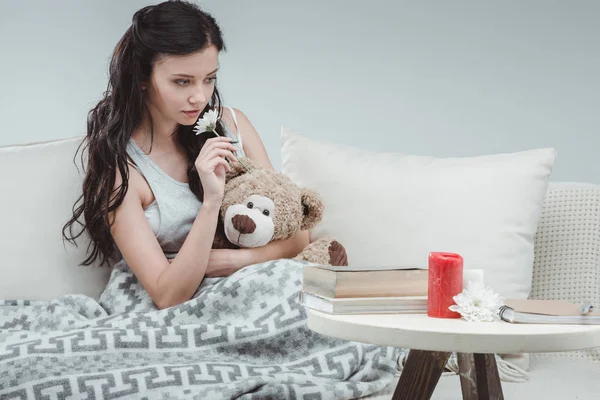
pixel 221 153
pixel 224 146
pixel 218 161
pixel 217 152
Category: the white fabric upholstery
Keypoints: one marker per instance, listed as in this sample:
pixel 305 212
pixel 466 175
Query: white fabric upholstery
pixel 39 186
pixel 567 250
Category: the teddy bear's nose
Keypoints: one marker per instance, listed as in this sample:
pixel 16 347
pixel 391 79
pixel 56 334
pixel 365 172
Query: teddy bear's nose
pixel 243 223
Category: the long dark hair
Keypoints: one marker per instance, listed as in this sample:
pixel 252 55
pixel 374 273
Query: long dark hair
pixel 169 28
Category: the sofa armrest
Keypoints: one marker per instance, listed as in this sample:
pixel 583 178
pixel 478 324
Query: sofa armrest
pixel 567 245
pixel 567 252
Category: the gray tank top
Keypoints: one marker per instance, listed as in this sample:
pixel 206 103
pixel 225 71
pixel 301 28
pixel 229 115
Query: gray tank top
pixel 170 216
pixel 175 207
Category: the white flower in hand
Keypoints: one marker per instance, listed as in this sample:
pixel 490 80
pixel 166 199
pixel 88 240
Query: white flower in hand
pixel 208 123
pixel 477 303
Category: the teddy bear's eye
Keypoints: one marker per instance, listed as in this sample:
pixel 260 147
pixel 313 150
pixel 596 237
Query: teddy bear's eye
pixel 250 205
pixel 266 212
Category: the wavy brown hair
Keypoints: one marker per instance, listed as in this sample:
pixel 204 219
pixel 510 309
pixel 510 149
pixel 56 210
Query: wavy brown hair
pixel 169 28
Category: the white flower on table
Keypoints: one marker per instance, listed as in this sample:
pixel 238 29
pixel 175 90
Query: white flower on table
pixel 477 303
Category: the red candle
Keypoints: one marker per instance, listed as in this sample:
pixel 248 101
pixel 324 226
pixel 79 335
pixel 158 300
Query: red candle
pixel 445 280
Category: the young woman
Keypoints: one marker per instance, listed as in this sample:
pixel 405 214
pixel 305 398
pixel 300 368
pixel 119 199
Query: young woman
pixel 153 187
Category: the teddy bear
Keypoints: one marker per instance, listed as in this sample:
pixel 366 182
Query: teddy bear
pixel 261 205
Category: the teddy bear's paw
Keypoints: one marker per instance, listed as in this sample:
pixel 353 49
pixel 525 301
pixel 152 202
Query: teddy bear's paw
pixel 325 251
pixel 337 254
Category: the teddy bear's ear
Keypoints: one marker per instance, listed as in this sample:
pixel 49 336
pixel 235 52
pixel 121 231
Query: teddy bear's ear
pixel 312 209
pixel 240 168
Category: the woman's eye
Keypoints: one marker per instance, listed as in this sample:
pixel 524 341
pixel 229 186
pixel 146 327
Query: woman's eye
pixel 249 205
pixel 211 80
pixel 182 82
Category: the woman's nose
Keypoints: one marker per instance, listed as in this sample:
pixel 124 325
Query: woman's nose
pixel 198 97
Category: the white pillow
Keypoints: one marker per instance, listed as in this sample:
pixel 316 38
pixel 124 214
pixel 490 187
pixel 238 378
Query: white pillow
pixel 394 209
pixel 39 184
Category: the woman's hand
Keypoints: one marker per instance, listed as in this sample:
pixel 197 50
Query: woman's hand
pixel 224 262
pixel 212 167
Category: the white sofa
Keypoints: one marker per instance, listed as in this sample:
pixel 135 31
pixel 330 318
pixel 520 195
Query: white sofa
pixel 40 183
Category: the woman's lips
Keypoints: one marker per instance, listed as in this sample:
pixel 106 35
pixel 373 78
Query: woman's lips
pixel 192 114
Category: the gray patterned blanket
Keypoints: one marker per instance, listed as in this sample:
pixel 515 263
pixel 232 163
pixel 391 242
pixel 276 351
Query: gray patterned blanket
pixel 243 336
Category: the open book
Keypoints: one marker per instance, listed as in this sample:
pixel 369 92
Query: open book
pixel 546 312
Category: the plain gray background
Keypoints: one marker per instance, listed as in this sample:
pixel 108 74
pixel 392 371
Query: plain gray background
pixel 437 78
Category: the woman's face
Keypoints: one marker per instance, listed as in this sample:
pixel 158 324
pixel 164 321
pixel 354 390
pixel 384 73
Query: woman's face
pixel 181 86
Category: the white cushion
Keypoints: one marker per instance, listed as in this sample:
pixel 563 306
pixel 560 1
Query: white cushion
pixel 39 186
pixel 394 209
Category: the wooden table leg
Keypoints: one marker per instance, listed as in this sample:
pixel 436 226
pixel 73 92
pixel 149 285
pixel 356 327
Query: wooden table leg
pixel 420 375
pixel 479 377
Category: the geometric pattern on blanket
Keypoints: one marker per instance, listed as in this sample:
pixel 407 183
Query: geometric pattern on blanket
pixel 242 336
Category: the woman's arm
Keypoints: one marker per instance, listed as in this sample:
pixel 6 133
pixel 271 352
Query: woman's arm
pixel 167 283
pixel 173 283
pixel 286 248
pixel 224 262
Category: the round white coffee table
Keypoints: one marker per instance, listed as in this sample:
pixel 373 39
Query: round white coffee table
pixel 432 340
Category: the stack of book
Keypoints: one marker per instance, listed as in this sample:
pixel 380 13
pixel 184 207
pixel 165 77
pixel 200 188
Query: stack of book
pixel 364 290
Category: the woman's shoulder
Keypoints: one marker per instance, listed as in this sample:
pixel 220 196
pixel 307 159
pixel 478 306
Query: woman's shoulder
pixel 137 185
pixel 230 122
pixel 227 112
pixel 252 143
pixel 243 122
